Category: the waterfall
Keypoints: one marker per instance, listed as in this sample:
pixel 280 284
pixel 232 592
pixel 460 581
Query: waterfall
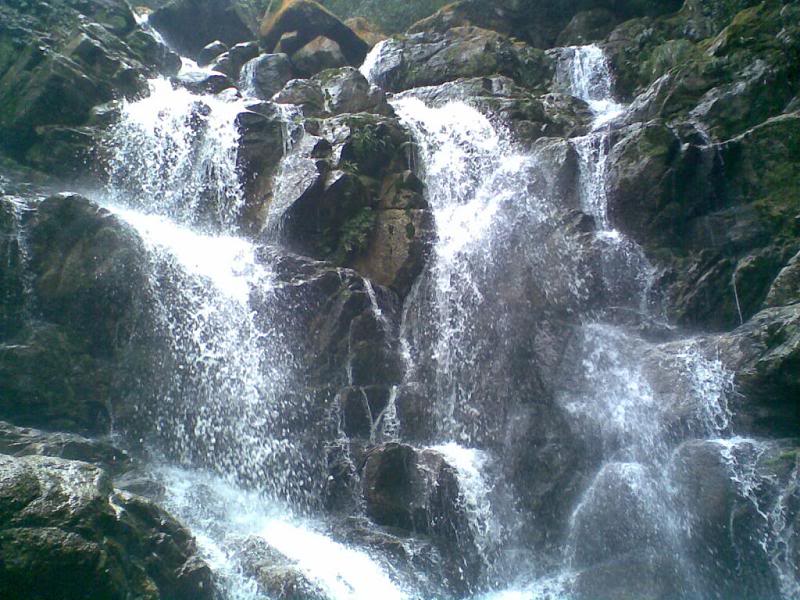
pixel 236 446
pixel 634 401
pixel 523 333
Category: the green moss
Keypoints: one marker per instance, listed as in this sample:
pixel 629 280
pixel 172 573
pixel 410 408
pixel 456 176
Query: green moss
pixel 355 232
pixel 668 56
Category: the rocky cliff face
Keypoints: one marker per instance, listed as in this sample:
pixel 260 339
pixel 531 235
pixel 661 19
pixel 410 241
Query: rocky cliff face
pixel 382 302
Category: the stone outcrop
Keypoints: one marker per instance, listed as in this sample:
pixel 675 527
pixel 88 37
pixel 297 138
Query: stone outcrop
pixel 56 65
pixel 432 58
pixel 354 203
pixel 87 275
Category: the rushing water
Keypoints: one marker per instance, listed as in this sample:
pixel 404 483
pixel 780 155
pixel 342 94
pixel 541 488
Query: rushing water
pixel 242 454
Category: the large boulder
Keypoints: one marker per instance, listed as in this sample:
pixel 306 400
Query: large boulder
pixel 432 58
pixel 350 200
pixel 265 75
pixel 310 21
pixel 23 441
pixel 190 25
pixel 391 16
pixel 86 272
pixel 728 490
pixel 419 492
pixel 89 270
pixel 12 283
pixel 66 533
pixel 764 354
pixel 527 116
pixel 538 22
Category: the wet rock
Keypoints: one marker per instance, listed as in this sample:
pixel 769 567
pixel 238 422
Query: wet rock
pixel 210 52
pixel 705 20
pixel 50 380
pixel 278 576
pixel 538 22
pixel 587 27
pixel 366 30
pixel 230 63
pixel 411 489
pixel 399 244
pixel 351 345
pixel 527 115
pixel 267 75
pixel 68 531
pixel 764 354
pixel 87 284
pixel 615 515
pixel 639 575
pixel 21 441
pixel 190 25
pixel 423 59
pixel 316 56
pixel 719 216
pixel 53 73
pixel 67 152
pixel 785 288
pixel 347 203
pixel 303 93
pixel 262 144
pixel 310 21
pixel 204 82
pixel 346 90
pixel 12 285
pixel 724 503
pixel 88 270
pixel 362 408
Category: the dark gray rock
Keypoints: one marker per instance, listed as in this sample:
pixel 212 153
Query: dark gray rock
pixel 89 270
pixel 57 64
pixel 204 82
pixel 615 517
pixel 190 25
pixel 586 27
pixel 21 441
pixel 318 55
pixel 66 531
pixel 230 63
pixel 764 354
pixel 303 93
pixel 12 283
pixel 210 52
pixel 346 90
pixel 266 75
pixel 724 504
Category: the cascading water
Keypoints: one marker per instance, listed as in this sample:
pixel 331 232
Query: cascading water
pixel 505 284
pixel 480 189
pixel 221 399
pixel 174 153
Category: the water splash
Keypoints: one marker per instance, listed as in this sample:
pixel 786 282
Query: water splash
pixel 220 391
pixel 471 468
pixel 228 521
pixel 175 153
